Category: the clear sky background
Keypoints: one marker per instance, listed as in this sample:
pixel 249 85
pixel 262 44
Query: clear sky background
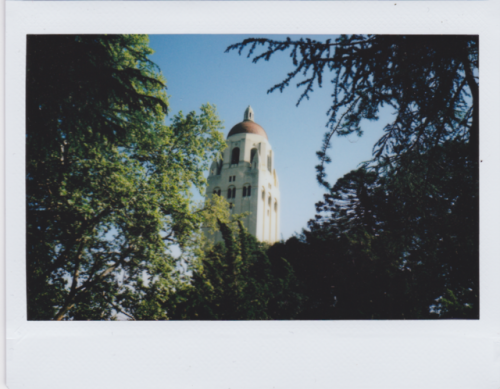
pixel 198 72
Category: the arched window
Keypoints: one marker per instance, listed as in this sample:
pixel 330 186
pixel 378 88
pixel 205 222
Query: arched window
pixel 263 195
pixel 269 200
pixel 219 166
pixel 276 206
pixel 247 191
pixel 231 192
pixel 235 156
pixel 218 192
pixel 253 152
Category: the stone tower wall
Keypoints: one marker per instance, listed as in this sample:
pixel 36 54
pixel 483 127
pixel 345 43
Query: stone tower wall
pixel 263 220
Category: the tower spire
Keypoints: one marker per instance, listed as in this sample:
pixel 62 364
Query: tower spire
pixel 249 115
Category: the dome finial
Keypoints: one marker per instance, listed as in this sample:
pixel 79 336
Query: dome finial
pixel 249 115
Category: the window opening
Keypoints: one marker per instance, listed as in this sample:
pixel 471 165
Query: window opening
pixel 235 157
pixel 253 152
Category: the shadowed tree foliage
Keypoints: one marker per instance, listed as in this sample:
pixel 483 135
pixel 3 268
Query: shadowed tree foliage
pixel 108 183
pixel 399 237
pixel 236 280
pixel 410 236
pixel 390 246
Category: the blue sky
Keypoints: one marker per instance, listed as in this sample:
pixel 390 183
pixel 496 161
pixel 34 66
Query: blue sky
pixel 198 71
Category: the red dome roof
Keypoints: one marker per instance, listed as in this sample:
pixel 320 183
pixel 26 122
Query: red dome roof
pixel 247 127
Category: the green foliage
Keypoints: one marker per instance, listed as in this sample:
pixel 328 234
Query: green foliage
pixel 108 183
pixel 236 280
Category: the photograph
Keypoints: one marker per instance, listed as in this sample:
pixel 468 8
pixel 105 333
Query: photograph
pixel 252 177
pixel 252 194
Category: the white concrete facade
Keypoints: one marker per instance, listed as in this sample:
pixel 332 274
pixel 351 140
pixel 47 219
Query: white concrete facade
pixel 250 183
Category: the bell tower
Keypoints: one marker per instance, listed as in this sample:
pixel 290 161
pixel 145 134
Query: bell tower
pixel 246 177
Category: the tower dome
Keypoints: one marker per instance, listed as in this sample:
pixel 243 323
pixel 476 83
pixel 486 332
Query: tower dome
pixel 247 126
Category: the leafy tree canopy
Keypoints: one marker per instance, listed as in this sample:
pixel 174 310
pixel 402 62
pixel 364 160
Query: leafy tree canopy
pixel 108 182
pixel 237 280
pixel 411 236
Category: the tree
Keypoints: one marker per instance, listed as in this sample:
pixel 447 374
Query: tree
pixel 430 81
pixel 405 225
pixel 409 237
pixel 237 280
pixel 108 182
